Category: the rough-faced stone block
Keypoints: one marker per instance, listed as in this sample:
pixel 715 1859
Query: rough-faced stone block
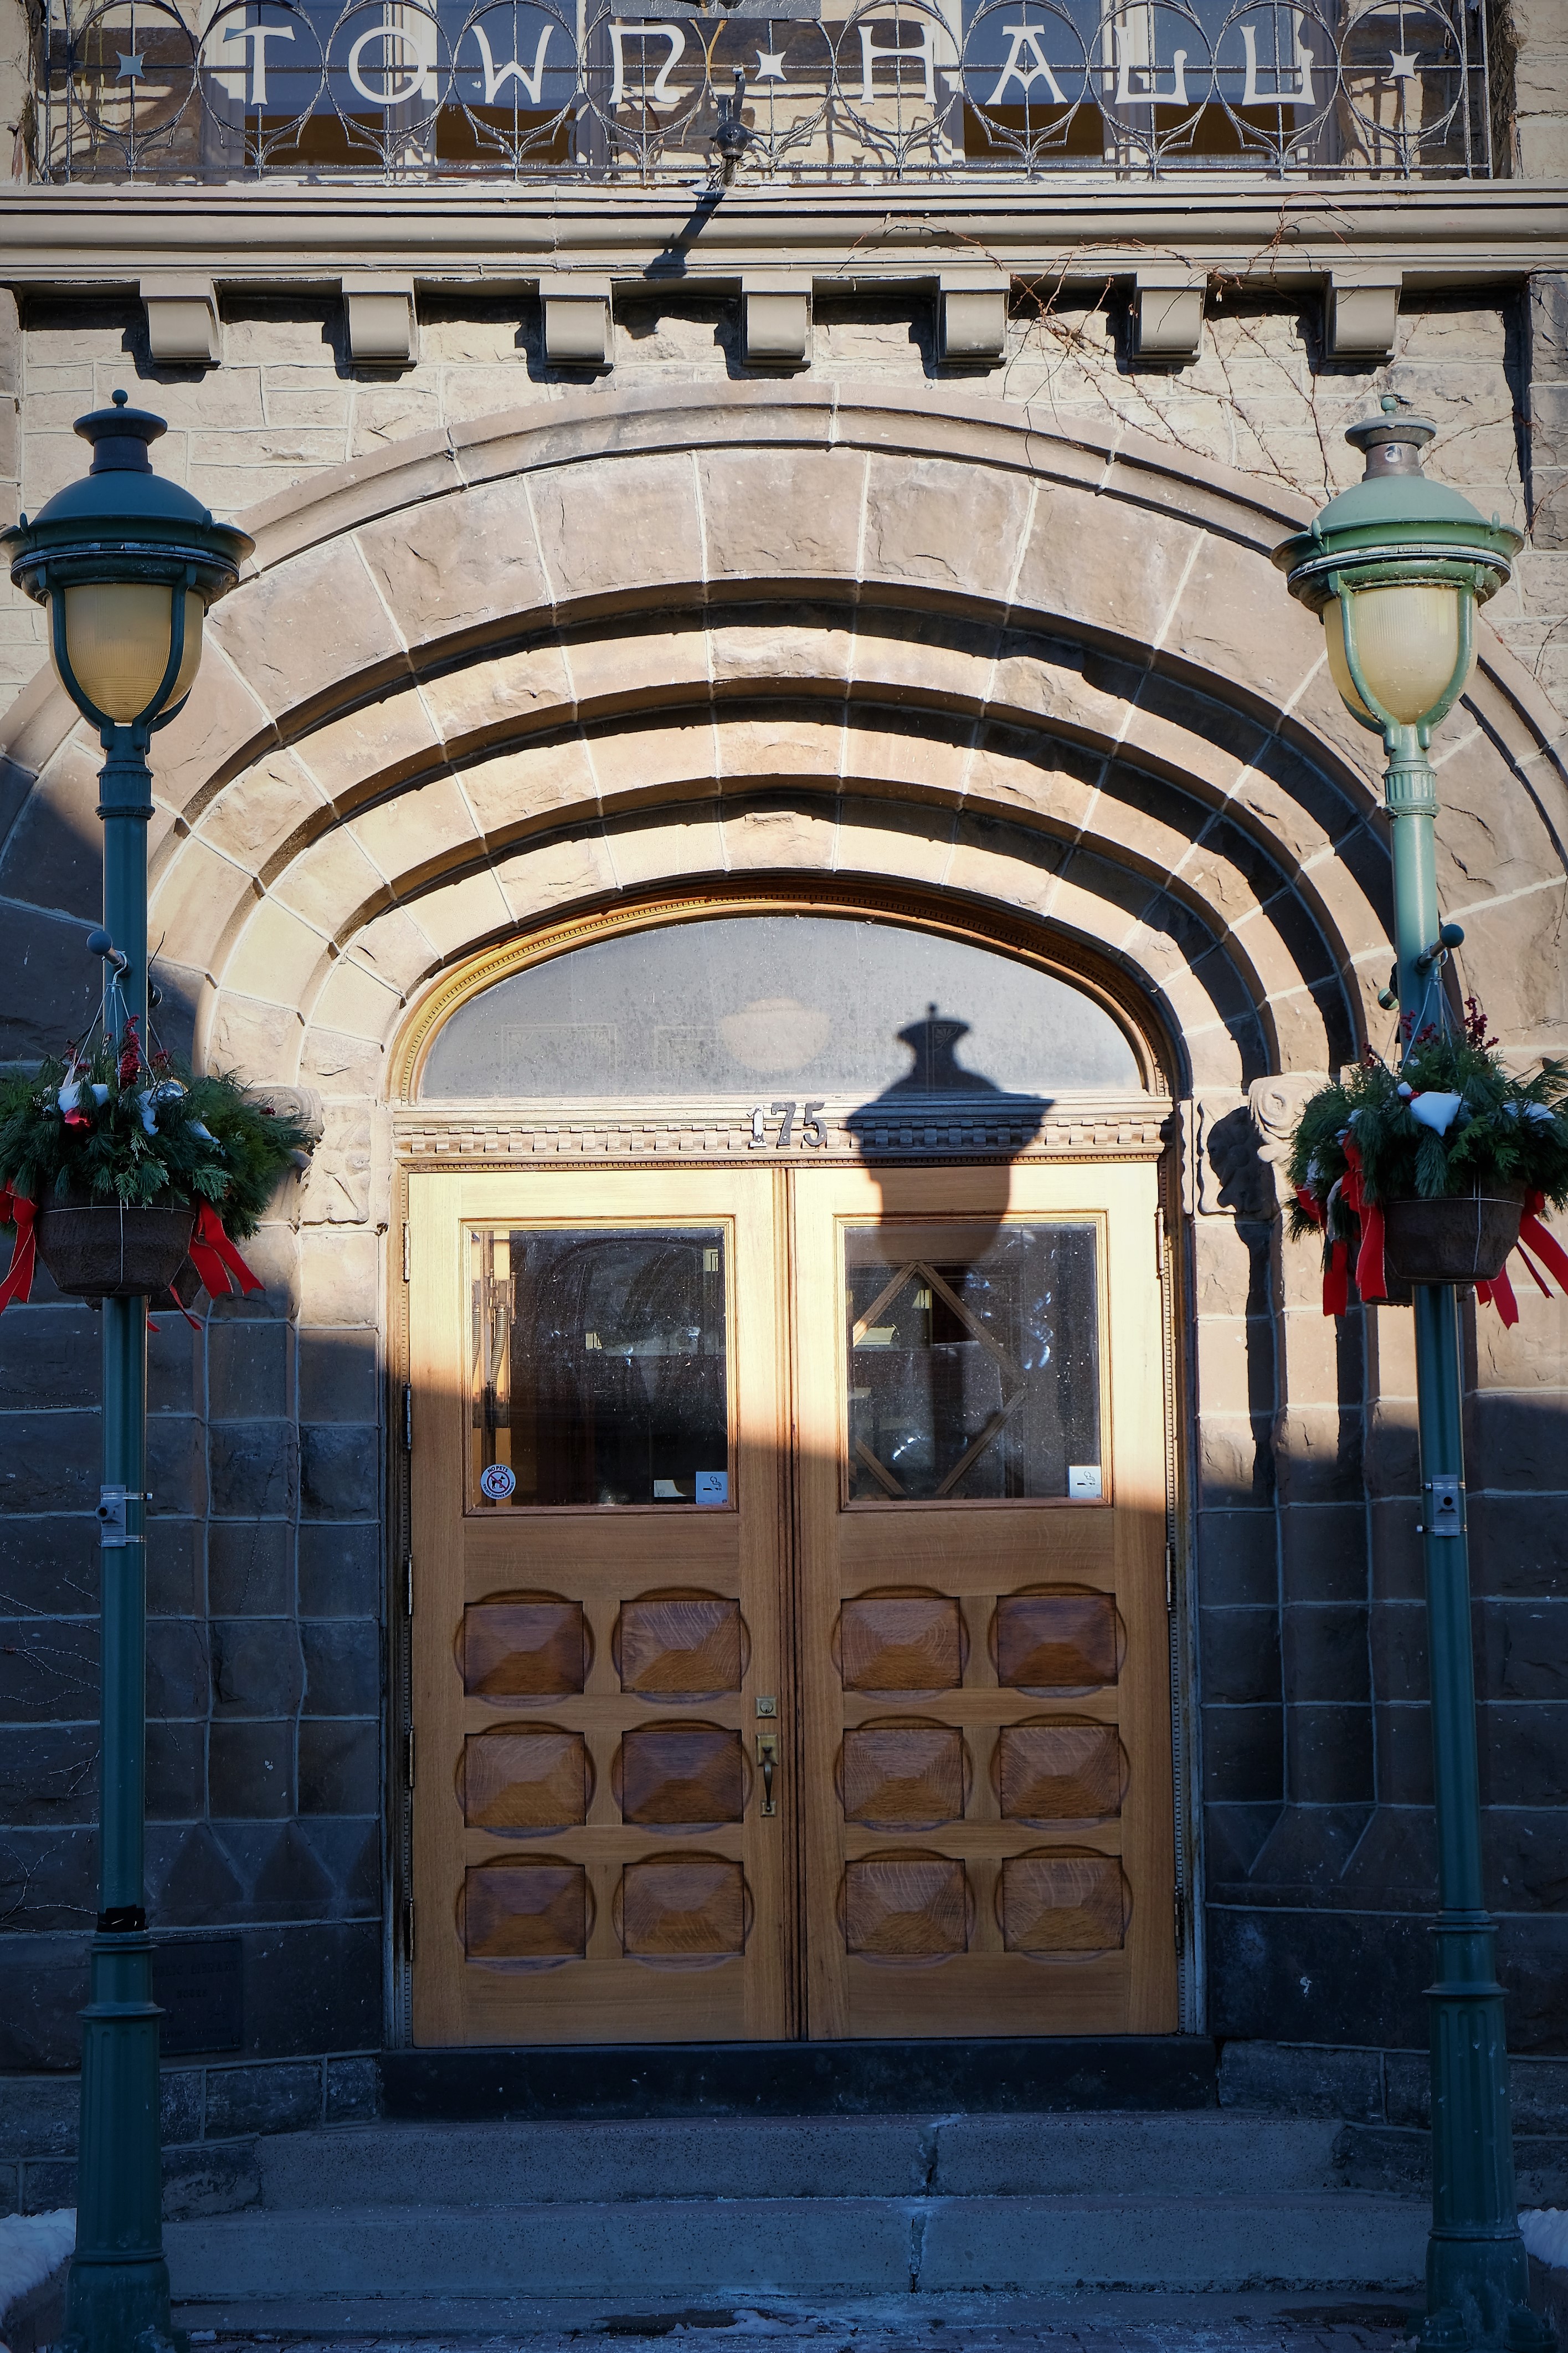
pixel 777 514
pixel 1322 1553
pixel 338 1377
pixel 177 1667
pixel 340 1471
pixel 1301 2080
pixel 1244 1754
pixel 334 886
pixel 278 2098
pixel 340 1571
pixel 313 1988
pixel 249 1567
pixel 1113 568
pixel 340 1767
pixel 175 1585
pixel 176 1771
pixel 297 633
pixel 1239 1653
pixel 257 1669
pixel 627 528
pixel 250 1770
pixel 938 526
pixel 353 2095
pixel 459 565
pixel 255 1468
pixel 340 1277
pixel 248 1371
pixel 343 1667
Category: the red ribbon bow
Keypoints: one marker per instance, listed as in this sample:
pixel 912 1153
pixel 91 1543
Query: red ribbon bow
pixel 1370 1279
pixel 18 1282
pixel 215 1259
pixel 1546 1247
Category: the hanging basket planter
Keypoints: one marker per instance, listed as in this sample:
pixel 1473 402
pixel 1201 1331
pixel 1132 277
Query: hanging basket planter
pixel 1465 1237
pixel 1434 1172
pixel 100 1251
pixel 129 1179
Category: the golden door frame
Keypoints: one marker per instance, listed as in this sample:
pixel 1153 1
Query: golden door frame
pixel 496 1136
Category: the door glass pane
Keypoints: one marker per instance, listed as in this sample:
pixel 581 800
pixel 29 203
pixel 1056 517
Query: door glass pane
pixel 972 1362
pixel 598 1369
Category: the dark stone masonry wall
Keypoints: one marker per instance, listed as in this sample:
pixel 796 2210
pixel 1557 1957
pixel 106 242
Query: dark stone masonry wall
pixel 263 1658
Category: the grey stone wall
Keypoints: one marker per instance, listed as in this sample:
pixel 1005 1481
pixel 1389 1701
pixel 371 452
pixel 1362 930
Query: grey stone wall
pixel 286 404
pixel 264 1648
pixel 1318 1848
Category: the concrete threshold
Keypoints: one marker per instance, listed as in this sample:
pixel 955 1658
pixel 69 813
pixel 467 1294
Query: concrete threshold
pixel 951 2321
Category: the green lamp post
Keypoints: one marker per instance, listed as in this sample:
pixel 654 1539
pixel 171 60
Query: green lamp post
pixel 1397 566
pixel 127 565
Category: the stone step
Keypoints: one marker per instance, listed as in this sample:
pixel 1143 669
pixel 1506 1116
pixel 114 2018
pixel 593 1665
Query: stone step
pixel 660 2247
pixel 1005 2157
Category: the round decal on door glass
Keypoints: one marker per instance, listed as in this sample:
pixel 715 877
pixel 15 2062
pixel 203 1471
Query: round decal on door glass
pixel 497 1482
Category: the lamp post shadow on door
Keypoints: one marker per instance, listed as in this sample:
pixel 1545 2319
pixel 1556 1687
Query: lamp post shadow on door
pixel 907 1117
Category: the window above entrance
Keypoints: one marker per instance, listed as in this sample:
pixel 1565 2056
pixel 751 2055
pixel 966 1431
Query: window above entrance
pixel 814 1005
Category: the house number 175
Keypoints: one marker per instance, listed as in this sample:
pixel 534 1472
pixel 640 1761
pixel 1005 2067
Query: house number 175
pixel 812 1131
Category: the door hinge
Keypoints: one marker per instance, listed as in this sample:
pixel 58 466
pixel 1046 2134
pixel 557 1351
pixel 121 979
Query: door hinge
pixel 409 1585
pixel 408 1757
pixel 1179 1906
pixel 1170 1580
pixel 409 1930
pixel 408 1417
pixel 408 1252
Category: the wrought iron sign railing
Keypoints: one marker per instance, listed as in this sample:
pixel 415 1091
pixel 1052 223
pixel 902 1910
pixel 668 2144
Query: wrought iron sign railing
pixel 658 89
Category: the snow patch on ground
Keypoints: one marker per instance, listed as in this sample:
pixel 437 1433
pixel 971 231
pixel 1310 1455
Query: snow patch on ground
pixel 31 2247
pixel 1545 2235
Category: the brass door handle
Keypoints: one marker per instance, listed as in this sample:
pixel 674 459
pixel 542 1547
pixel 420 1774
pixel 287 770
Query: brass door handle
pixel 768 1759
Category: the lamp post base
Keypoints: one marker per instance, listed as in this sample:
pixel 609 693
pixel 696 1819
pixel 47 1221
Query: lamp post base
pixel 1477 2272
pixel 120 2308
pixel 117 2298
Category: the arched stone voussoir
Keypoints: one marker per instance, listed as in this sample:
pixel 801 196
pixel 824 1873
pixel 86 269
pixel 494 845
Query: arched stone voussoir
pixel 523 816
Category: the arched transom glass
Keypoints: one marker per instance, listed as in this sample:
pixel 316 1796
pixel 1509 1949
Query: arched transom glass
pixel 836 1006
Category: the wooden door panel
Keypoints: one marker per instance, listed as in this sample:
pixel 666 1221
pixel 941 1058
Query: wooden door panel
pixel 590 1861
pixel 1011 1646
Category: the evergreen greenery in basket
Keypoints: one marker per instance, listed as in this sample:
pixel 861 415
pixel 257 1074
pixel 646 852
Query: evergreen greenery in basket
pixel 110 1128
pixel 1450 1123
pixel 118 1129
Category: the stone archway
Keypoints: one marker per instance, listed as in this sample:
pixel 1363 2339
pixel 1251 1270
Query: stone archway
pixel 634 641
pixel 632 644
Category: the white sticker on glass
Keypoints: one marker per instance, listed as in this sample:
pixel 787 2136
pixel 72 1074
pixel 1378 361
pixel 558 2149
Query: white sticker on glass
pixel 713 1486
pixel 497 1482
pixel 1083 1481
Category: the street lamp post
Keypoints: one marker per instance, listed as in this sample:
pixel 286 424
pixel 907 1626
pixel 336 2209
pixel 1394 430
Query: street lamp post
pixel 127 565
pixel 1395 567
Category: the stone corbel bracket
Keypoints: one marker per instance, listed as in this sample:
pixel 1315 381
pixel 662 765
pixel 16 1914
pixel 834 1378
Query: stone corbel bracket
pixel 383 326
pixel 1168 316
pixel 577 318
pixel 1361 314
pixel 776 320
pixel 182 321
pixel 1277 1105
pixel 972 316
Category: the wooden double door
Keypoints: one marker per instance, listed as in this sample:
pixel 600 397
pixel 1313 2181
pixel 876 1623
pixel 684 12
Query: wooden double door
pixel 790 1651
